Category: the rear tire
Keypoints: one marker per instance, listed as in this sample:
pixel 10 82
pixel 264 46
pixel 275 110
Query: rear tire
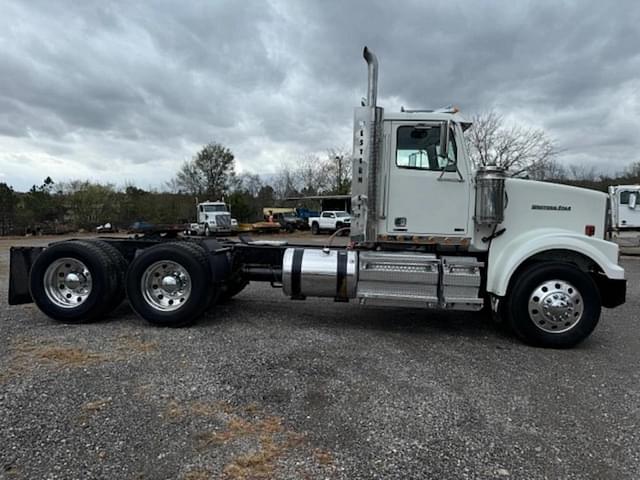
pixel 121 265
pixel 553 305
pixel 74 282
pixel 170 284
pixel 315 228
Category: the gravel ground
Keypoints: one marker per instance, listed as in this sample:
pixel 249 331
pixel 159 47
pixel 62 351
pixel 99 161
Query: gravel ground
pixel 264 387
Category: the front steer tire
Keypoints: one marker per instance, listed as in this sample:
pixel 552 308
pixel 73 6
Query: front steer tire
pixel 74 282
pixel 161 302
pixel 529 307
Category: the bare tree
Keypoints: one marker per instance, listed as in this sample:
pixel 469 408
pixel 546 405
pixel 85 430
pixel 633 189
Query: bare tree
pixel 284 183
pixel 339 171
pixel 519 150
pixel 210 172
pixel 632 171
pixel 250 183
pixel 584 173
pixel 550 170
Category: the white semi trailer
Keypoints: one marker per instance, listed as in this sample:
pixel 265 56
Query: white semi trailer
pixel 428 231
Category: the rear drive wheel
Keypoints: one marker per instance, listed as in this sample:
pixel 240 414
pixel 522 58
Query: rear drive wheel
pixel 170 284
pixel 120 264
pixel 315 228
pixel 74 282
pixel 553 305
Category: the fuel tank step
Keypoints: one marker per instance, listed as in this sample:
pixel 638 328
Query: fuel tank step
pixel 398 278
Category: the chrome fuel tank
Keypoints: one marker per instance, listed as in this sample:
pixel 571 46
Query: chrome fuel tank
pixel 319 273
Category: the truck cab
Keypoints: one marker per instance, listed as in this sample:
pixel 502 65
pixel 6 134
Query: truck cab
pixel 213 217
pixel 625 208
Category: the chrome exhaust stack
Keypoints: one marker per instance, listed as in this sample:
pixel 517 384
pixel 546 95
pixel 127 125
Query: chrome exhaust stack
pixel 372 88
pixel 367 133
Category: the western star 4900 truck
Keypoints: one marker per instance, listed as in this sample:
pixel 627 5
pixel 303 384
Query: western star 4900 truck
pixel 428 230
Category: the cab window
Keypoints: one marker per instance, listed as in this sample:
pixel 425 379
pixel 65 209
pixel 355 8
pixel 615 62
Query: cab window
pixel 419 148
pixel 624 197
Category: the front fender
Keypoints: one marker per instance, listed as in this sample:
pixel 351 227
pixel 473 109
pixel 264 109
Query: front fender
pixel 506 255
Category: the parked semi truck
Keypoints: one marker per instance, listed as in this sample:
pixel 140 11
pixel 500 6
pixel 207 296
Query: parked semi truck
pixel 213 218
pixel 427 231
pixel 625 208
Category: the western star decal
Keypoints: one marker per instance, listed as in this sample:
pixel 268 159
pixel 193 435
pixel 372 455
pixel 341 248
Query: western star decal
pixel 556 208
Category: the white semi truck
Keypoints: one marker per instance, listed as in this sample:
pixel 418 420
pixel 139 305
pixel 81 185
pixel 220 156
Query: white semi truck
pixel 213 218
pixel 427 231
pixel 625 208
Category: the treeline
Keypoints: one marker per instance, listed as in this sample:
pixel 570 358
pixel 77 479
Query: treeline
pixel 590 177
pixel 53 207
pixel 60 207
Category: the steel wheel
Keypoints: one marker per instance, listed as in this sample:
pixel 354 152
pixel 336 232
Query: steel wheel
pixel 556 306
pixel 170 284
pixel 552 304
pixel 67 282
pixel 74 281
pixel 165 285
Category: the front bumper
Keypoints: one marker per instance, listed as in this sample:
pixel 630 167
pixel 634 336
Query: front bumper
pixel 613 292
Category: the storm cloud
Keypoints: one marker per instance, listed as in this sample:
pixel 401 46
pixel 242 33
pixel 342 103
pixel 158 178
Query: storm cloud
pixel 125 91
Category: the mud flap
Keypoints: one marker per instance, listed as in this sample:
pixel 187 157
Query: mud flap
pixel 20 261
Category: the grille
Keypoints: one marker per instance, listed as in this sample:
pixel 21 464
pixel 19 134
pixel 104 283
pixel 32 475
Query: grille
pixel 223 220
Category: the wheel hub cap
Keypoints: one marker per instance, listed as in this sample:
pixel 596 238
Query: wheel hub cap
pixel 67 282
pixel 171 284
pixel 166 285
pixel 74 279
pixel 555 306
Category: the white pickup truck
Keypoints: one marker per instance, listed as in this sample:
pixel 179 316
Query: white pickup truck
pixel 330 220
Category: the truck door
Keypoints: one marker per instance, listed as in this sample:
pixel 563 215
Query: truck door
pixel 421 199
pixel 327 220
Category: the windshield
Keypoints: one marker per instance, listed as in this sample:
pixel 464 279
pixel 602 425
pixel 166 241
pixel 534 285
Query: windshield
pixel 342 214
pixel 214 208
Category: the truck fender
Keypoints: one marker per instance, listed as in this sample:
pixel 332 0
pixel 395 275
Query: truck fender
pixel 505 256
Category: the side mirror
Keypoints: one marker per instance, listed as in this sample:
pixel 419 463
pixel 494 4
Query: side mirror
pixel 444 139
pixel 632 201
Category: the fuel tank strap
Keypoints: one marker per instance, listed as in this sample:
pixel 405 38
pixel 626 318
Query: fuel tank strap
pixel 296 273
pixel 341 277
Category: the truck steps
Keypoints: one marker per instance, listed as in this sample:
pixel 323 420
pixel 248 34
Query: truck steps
pixel 419 280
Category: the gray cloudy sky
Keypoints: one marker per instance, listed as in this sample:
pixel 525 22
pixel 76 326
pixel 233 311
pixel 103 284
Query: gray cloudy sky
pixel 125 91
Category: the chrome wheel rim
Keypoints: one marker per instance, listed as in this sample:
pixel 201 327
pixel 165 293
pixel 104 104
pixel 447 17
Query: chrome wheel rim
pixel 166 286
pixel 67 282
pixel 556 306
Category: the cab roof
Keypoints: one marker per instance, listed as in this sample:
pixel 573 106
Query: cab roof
pixel 428 116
